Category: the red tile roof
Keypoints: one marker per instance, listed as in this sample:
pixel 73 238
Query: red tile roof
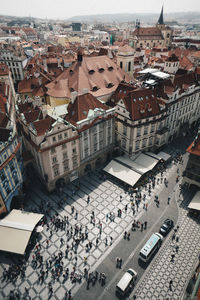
pixel 33 115
pixel 3 120
pixel 3 102
pixel 92 72
pixel 194 148
pixel 43 125
pixel 78 110
pixel 147 33
pixel 142 104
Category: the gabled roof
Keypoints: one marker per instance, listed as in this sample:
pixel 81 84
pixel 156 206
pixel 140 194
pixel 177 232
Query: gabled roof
pixel 44 125
pixel 121 92
pixel 78 110
pixel 33 115
pixel 25 107
pixel 83 104
pixel 142 103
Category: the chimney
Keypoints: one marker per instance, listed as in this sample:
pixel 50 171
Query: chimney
pixel 73 96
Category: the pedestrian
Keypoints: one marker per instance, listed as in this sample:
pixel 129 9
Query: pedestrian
pixel 177 239
pixel 106 241
pixel 145 225
pixel 88 199
pixel 168 200
pixel 117 262
pixel 120 198
pixel 170 285
pixel 128 236
pixel 111 240
pixel 76 215
pixel 173 236
pixel 142 225
pixel 126 207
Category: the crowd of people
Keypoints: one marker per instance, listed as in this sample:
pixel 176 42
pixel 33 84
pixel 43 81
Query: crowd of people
pixel 62 266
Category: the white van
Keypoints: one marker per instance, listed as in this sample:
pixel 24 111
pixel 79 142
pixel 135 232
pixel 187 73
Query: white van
pixel 125 282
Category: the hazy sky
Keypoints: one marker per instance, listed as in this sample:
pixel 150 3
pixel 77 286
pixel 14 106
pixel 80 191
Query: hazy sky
pixel 68 8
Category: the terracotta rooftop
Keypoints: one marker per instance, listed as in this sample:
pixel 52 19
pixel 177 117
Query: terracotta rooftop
pixel 3 102
pixel 78 110
pixel 3 120
pixel 194 148
pixel 43 125
pixel 142 103
pixel 100 75
pixel 152 33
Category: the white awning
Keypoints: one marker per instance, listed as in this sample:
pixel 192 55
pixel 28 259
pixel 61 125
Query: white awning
pixel 146 161
pixel 195 203
pixel 16 229
pixel 132 164
pixel 122 172
pixel 164 156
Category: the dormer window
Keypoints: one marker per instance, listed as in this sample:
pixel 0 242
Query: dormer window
pixel 110 85
pixel 71 90
pixel 110 68
pixel 101 70
pixel 94 89
pixel 91 72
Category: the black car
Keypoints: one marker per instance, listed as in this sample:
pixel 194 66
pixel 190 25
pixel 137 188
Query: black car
pixel 167 225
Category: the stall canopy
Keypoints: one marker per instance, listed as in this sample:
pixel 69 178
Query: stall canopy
pixel 195 203
pixel 131 170
pixel 16 229
pixel 122 172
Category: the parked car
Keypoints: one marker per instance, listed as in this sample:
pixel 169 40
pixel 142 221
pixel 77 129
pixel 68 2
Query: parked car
pixel 167 225
pixel 126 283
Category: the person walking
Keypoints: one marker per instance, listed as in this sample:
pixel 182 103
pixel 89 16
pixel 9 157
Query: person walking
pixel 170 285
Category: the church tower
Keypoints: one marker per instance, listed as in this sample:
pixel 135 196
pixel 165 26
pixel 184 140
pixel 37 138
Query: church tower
pixel 165 30
pixel 160 24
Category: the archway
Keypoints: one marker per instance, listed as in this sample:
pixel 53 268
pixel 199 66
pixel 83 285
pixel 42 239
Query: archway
pixel 88 168
pixel 98 162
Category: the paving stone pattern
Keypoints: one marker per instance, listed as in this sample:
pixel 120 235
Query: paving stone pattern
pixel 104 199
pixel 155 283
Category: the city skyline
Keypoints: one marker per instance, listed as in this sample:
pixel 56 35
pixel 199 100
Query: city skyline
pixel 61 10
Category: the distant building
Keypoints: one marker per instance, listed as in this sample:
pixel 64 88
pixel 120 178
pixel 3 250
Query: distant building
pixel 13 56
pixel 191 174
pixel 149 37
pixel 76 26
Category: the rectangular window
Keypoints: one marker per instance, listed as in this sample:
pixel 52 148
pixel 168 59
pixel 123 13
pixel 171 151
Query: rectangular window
pixel 64 155
pixel 56 171
pixel 53 150
pixel 66 165
pixel 73 142
pixel 64 146
pixel 75 162
pixel 145 129
pixel 137 145
pixel 60 137
pixel 74 150
pixel 54 139
pixel 139 131
pixel 54 159
pixel 65 134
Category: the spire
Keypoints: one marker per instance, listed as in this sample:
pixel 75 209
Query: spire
pixel 161 20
